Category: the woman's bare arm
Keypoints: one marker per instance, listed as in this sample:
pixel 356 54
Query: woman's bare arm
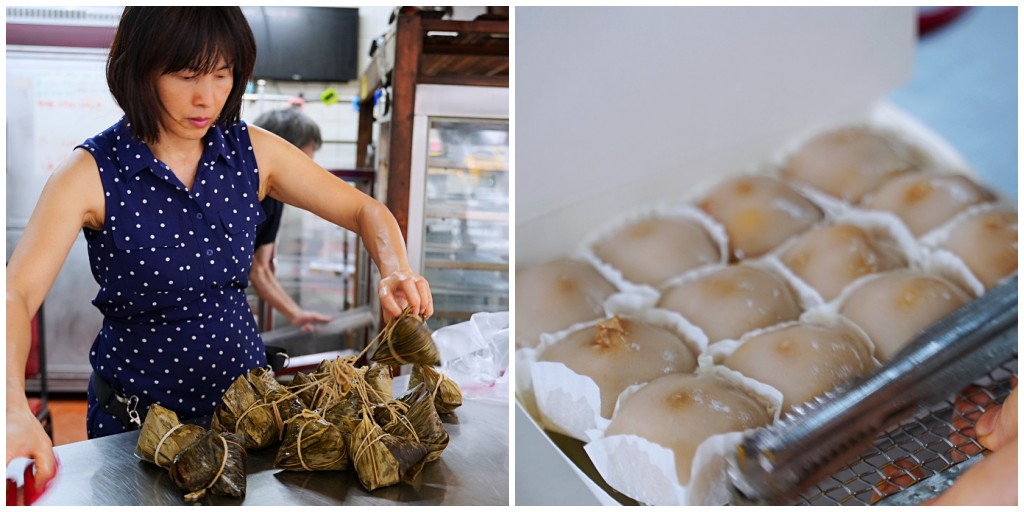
pixel 290 176
pixel 71 199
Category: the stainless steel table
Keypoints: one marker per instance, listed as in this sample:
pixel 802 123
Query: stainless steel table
pixel 473 470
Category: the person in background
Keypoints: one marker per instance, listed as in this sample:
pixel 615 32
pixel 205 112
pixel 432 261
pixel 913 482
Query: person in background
pixel 168 202
pixel 302 132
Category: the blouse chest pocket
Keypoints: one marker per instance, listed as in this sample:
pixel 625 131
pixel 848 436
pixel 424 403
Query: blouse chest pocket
pixel 152 254
pixel 239 222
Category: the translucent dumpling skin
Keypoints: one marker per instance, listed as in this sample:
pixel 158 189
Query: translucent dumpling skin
pixel 555 295
pixel 680 411
pixel 988 245
pixel 830 257
pixel 924 201
pixel 653 250
pixel 895 307
pixel 620 352
pixel 850 162
pixel 732 301
pixel 803 360
pixel 759 213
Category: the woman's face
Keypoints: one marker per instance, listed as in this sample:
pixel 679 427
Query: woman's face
pixel 191 101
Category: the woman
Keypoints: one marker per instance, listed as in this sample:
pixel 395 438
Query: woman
pixel 168 200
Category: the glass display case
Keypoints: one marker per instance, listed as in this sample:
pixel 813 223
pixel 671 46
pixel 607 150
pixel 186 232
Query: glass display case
pixel 466 217
pixel 433 120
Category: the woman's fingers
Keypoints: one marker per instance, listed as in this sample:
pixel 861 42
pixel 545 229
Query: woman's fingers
pixel 26 438
pixel 998 425
pixel 46 468
pixel 412 296
pixel 426 299
pixel 388 302
pixel 405 289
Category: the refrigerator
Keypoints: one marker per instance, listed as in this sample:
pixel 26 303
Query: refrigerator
pixel 458 231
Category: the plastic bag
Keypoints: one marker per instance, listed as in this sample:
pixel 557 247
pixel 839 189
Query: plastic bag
pixel 475 354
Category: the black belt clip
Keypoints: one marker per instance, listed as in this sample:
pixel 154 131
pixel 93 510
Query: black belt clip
pixel 124 409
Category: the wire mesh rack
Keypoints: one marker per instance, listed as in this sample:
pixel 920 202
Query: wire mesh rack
pixel 936 439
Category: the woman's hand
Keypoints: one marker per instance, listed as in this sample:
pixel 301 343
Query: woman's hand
pixel 998 426
pixel 993 480
pixel 26 438
pixel 405 288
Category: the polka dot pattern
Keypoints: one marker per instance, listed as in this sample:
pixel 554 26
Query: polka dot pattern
pixel 172 265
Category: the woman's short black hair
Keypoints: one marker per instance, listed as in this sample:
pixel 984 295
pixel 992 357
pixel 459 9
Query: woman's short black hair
pixel 292 126
pixel 152 41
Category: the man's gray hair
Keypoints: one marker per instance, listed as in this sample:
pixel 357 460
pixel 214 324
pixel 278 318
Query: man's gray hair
pixel 292 126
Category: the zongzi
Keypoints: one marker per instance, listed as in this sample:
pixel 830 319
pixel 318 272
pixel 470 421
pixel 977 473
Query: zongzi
pixel 406 340
pixel 447 395
pixel 311 443
pixel 422 415
pixel 381 459
pixel 163 436
pixel 215 463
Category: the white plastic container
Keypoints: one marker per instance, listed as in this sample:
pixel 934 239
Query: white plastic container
pixel 618 109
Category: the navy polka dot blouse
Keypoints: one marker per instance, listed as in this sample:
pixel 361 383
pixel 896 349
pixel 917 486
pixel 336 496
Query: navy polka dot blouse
pixel 172 265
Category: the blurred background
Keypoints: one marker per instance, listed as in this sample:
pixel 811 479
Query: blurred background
pixel 966 61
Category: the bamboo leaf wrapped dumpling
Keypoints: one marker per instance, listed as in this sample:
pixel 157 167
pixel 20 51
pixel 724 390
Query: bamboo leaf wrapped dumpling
pixel 285 404
pixel 307 388
pixel 311 444
pixel 391 417
pixel 163 436
pixel 215 463
pixel 243 412
pixel 381 459
pixel 344 413
pixel 406 340
pixel 378 377
pixel 422 415
pixel 446 392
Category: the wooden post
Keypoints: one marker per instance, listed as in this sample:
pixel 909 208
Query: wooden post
pixel 408 43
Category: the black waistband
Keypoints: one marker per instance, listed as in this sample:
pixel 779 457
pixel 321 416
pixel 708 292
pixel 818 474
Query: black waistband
pixel 124 409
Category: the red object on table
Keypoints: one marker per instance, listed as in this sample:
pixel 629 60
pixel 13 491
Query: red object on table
pixel 24 495
pixel 932 19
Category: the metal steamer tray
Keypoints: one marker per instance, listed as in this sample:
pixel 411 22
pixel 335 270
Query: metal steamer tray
pixel 922 456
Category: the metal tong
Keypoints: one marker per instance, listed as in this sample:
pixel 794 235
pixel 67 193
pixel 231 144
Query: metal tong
pixel 773 465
